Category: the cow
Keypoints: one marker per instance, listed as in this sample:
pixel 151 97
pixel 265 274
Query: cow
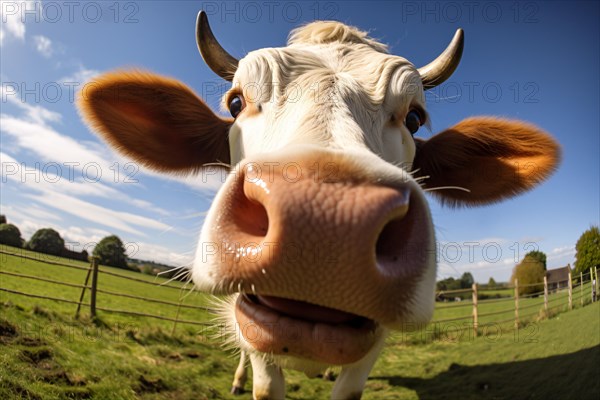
pixel 320 238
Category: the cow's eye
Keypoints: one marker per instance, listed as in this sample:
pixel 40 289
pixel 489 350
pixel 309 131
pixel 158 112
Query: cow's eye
pixel 413 121
pixel 236 105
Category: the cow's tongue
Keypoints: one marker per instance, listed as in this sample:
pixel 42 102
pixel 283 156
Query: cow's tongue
pixel 306 311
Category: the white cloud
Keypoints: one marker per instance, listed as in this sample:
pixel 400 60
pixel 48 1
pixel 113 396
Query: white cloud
pixel 43 45
pixel 564 254
pixel 122 221
pixel 81 76
pixel 12 22
pixel 77 239
pixel 24 217
pixel 34 114
pixel 31 218
pixel 12 17
pixel 161 254
pixel 31 212
pixel 32 130
pixel 34 133
pixel 59 193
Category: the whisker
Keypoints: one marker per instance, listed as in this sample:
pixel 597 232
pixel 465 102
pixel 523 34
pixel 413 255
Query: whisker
pixel 446 188
pixel 219 164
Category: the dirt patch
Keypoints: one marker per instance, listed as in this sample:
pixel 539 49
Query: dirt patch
pixel 55 375
pixel 36 356
pixel 175 357
pixel 151 385
pixel 48 370
pixel 193 354
pixel 37 310
pixel 30 341
pixel 8 331
pixel 52 373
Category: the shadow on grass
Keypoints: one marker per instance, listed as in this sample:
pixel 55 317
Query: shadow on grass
pixel 568 376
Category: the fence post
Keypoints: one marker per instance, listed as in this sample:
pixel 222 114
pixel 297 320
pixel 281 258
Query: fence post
pixel 87 279
pixel 94 286
pixel 176 317
pixel 595 289
pixel 581 288
pixel 570 292
pixel 546 295
pixel 475 316
pixel 516 304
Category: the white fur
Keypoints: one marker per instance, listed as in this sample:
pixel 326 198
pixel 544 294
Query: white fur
pixel 335 88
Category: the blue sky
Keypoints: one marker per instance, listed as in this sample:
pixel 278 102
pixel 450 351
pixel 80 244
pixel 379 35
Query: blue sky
pixel 536 61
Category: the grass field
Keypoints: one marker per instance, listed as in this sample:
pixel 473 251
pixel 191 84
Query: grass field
pixel 107 282
pixel 46 354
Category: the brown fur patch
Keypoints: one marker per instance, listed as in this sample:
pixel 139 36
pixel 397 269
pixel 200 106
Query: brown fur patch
pixel 493 158
pixel 157 121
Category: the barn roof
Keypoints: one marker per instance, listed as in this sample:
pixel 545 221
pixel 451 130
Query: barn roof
pixel 558 274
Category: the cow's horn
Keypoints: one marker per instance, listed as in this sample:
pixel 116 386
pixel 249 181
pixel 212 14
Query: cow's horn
pixel 220 61
pixel 440 69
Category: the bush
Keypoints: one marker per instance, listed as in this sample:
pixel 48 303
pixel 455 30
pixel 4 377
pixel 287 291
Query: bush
pixel 10 235
pixel 529 271
pixel 47 241
pixel 75 255
pixel 587 251
pixel 110 251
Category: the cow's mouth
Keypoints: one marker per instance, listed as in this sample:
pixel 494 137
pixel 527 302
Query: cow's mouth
pixel 288 327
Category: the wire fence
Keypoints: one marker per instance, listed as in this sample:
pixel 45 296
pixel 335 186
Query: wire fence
pixel 93 289
pixel 475 313
pixel 478 314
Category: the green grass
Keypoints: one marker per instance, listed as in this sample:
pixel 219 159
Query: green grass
pixel 46 354
pixel 107 282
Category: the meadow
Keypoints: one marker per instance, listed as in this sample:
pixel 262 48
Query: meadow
pixel 45 353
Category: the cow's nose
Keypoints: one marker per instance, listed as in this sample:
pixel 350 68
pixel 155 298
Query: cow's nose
pixel 316 211
pixel 322 232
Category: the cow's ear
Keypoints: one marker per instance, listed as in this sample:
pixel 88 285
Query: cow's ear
pixel 157 121
pixel 489 158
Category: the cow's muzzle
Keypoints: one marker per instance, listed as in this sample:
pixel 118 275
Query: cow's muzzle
pixel 322 240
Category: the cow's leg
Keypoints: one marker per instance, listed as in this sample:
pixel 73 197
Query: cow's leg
pixel 351 382
pixel 268 382
pixel 241 376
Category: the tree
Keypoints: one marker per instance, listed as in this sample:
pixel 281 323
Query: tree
pixel 47 241
pixel 538 255
pixel 492 283
pixel 587 251
pixel 529 271
pixel 2 219
pixel 111 251
pixel 10 235
pixel 466 280
pixel 448 284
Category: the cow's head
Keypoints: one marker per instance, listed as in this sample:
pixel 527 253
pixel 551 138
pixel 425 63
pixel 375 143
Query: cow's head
pixel 323 223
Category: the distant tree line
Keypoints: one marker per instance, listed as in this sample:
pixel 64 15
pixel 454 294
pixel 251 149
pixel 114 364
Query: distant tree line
pixel 45 240
pixel 110 250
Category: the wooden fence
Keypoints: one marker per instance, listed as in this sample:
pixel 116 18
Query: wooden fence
pixel 477 312
pixel 516 308
pixel 94 271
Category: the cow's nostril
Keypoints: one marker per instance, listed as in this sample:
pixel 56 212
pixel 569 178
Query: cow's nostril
pixel 386 247
pixel 250 216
